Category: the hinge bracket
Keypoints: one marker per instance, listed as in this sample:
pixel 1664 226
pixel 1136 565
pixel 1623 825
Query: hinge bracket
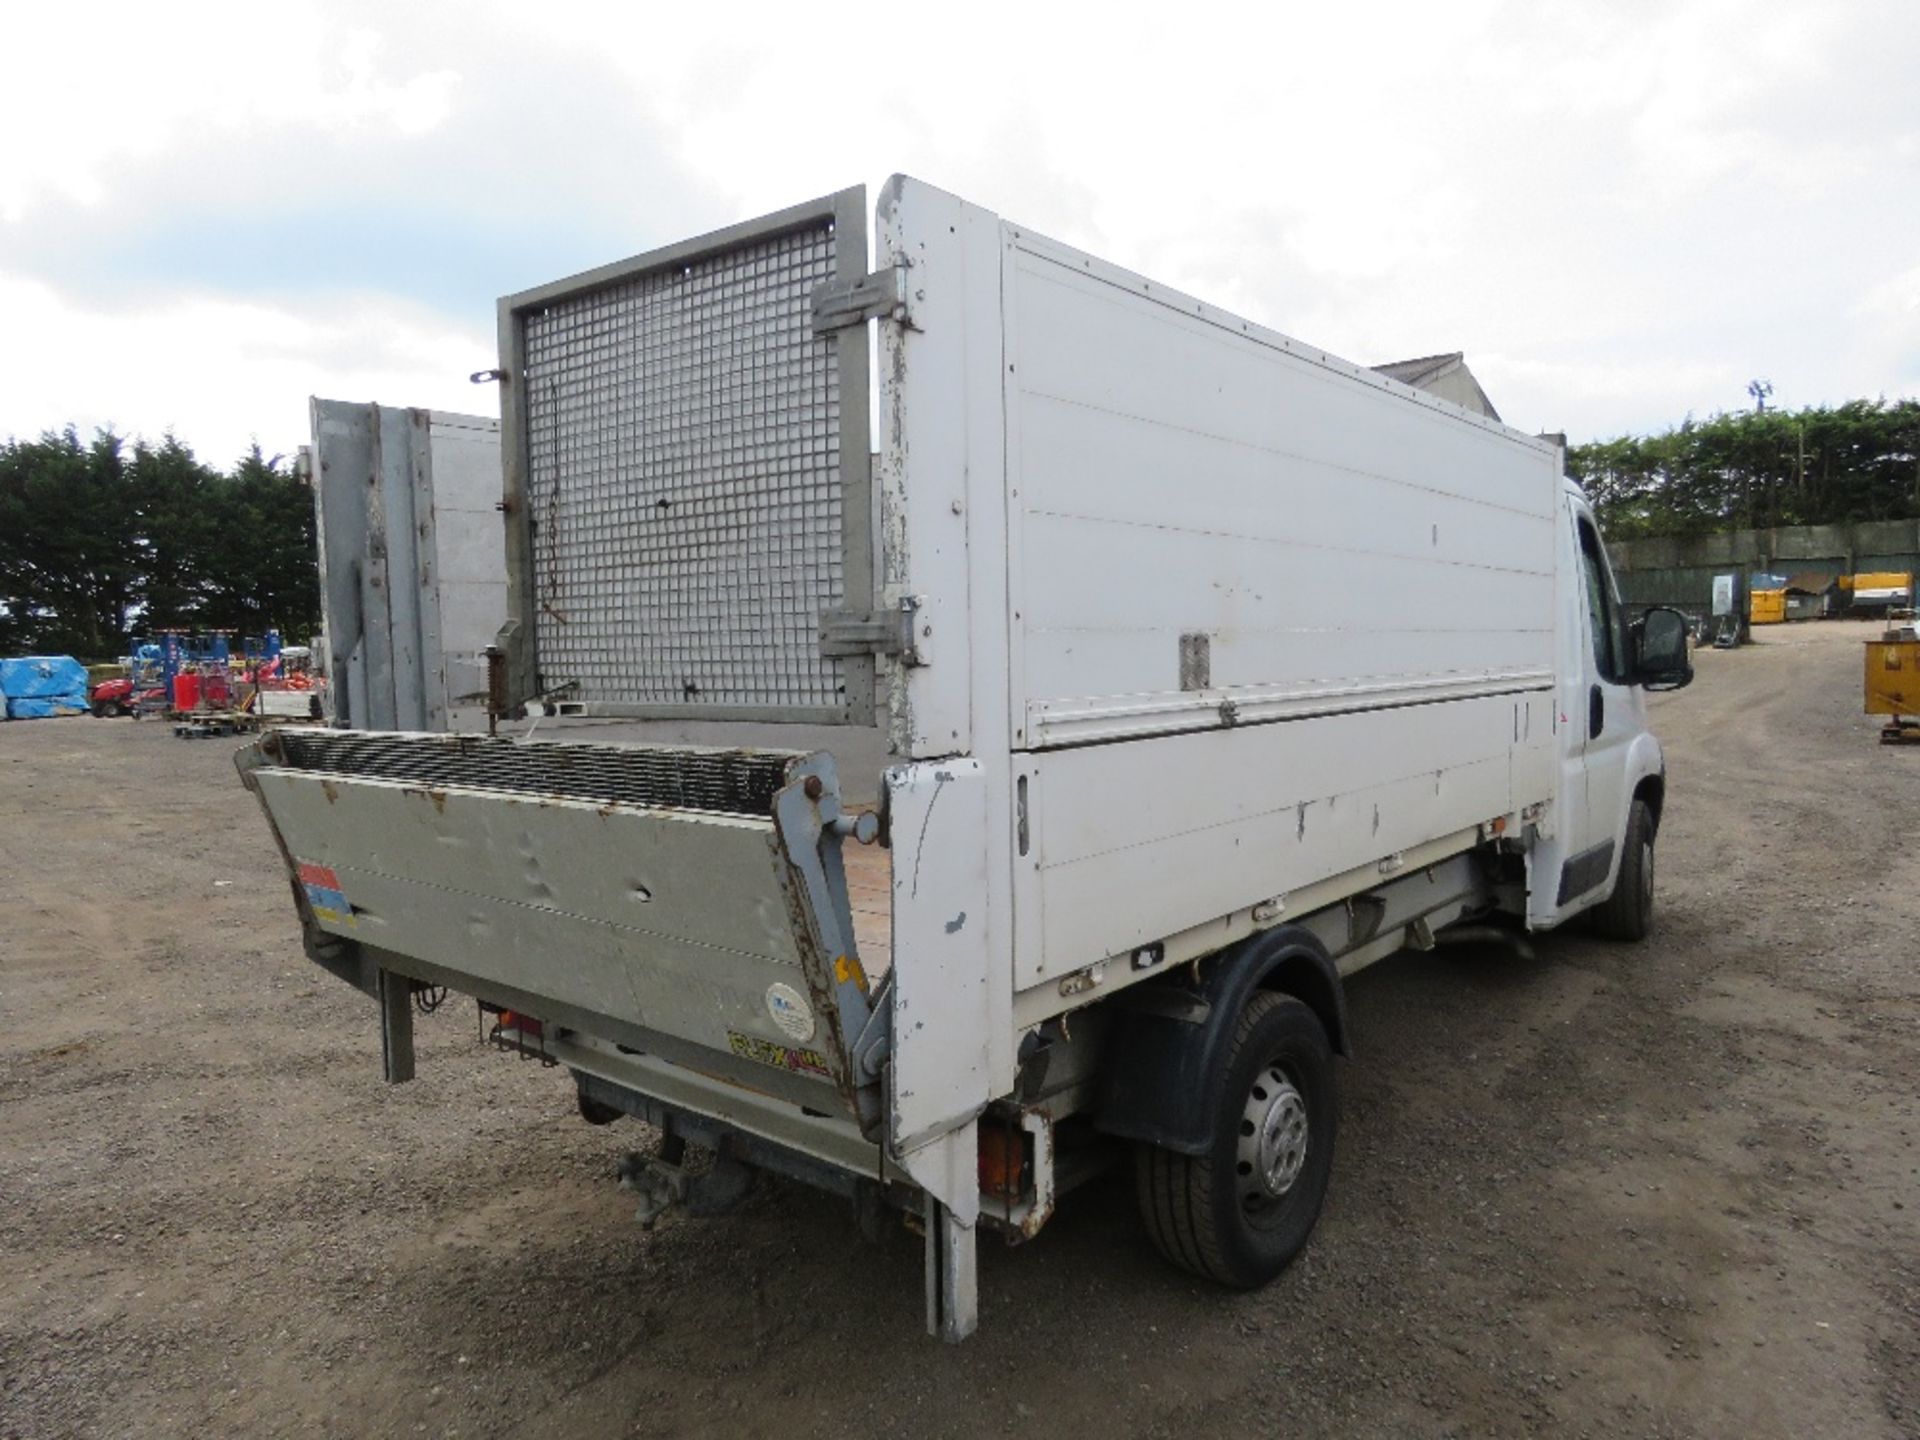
pixel 875 632
pixel 839 304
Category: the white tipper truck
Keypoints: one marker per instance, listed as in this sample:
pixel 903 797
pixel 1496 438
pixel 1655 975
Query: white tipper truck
pixel 1191 669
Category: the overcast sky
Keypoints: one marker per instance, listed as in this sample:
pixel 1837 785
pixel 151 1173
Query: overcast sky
pixel 1621 211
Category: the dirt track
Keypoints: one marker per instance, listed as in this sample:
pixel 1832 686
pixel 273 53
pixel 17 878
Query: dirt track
pixel 1662 1190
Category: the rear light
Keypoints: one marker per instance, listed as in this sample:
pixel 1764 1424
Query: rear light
pixel 1003 1161
pixel 515 1031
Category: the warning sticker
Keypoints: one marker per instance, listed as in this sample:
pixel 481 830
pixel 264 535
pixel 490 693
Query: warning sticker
pixel 325 895
pixel 781 1057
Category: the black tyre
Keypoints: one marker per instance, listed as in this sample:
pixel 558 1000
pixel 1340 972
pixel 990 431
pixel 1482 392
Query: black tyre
pixel 1627 914
pixel 1239 1213
pixel 595 1112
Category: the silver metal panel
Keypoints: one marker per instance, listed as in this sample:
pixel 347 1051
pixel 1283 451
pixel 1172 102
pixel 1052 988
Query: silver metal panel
pixel 340 466
pixel 413 561
pixel 690 478
pixel 675 921
pixel 470 557
pixel 403 564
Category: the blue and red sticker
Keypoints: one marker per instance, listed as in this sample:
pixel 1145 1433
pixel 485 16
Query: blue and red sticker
pixel 325 895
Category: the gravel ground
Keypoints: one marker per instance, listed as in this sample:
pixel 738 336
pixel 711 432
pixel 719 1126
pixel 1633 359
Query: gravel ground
pixel 1662 1190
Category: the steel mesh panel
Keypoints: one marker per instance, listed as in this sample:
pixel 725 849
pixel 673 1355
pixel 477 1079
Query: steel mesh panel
pixel 734 782
pixel 683 439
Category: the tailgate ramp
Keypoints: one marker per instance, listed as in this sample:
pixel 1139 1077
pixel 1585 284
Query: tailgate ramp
pixel 686 903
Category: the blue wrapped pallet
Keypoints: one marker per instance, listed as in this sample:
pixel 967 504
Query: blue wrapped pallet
pixel 36 707
pixel 37 687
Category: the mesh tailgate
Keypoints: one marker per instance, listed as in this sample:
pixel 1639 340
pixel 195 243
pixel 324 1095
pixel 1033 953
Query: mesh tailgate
pixel 685 484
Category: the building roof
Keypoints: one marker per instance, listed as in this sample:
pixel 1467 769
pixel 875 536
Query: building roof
pixel 1444 375
pixel 1427 367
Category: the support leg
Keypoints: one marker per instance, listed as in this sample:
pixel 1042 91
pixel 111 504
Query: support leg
pixel 953 1294
pixel 396 1027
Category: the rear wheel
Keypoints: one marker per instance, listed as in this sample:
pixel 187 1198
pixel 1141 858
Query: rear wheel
pixel 1240 1212
pixel 1627 914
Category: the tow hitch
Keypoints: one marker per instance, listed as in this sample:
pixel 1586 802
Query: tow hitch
pixel 662 1184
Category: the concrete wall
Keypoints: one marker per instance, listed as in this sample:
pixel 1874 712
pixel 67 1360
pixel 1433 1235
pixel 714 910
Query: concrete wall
pixel 1673 570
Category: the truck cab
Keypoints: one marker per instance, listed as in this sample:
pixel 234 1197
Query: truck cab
pixel 1612 773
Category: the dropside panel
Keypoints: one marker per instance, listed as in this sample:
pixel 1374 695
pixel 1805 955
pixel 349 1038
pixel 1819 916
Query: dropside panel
pixel 1136 841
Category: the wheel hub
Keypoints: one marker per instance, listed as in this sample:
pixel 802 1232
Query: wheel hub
pixel 1273 1138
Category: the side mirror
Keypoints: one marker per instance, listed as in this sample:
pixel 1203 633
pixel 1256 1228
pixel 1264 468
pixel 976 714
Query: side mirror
pixel 1659 643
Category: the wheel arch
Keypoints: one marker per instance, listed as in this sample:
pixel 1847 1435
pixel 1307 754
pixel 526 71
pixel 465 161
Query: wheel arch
pixel 1163 1066
pixel 1652 791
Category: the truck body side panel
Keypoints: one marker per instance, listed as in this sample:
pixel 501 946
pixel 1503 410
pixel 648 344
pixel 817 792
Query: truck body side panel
pixel 1213 514
pixel 1268 617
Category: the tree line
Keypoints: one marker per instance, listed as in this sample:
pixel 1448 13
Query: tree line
pixel 1753 470
pixel 105 540
pixel 108 540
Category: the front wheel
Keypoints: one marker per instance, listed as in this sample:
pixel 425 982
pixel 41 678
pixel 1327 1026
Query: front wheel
pixel 1627 914
pixel 1239 1213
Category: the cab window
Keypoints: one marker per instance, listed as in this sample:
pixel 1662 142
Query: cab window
pixel 1603 608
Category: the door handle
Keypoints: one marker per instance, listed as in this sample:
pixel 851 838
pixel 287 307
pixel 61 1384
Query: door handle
pixel 1596 712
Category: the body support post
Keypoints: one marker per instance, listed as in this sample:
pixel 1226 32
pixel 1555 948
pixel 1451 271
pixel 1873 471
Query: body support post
pixel 396 1027
pixel 953 1290
pixel 947 1169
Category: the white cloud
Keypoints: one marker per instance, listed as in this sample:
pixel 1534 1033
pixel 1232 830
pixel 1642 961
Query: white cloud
pixel 92 90
pixel 1621 209
pixel 222 374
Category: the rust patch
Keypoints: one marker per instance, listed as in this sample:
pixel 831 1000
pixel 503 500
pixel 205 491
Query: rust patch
pixel 330 790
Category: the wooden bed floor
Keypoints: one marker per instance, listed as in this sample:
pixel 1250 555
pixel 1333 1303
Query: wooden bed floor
pixel 869 889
